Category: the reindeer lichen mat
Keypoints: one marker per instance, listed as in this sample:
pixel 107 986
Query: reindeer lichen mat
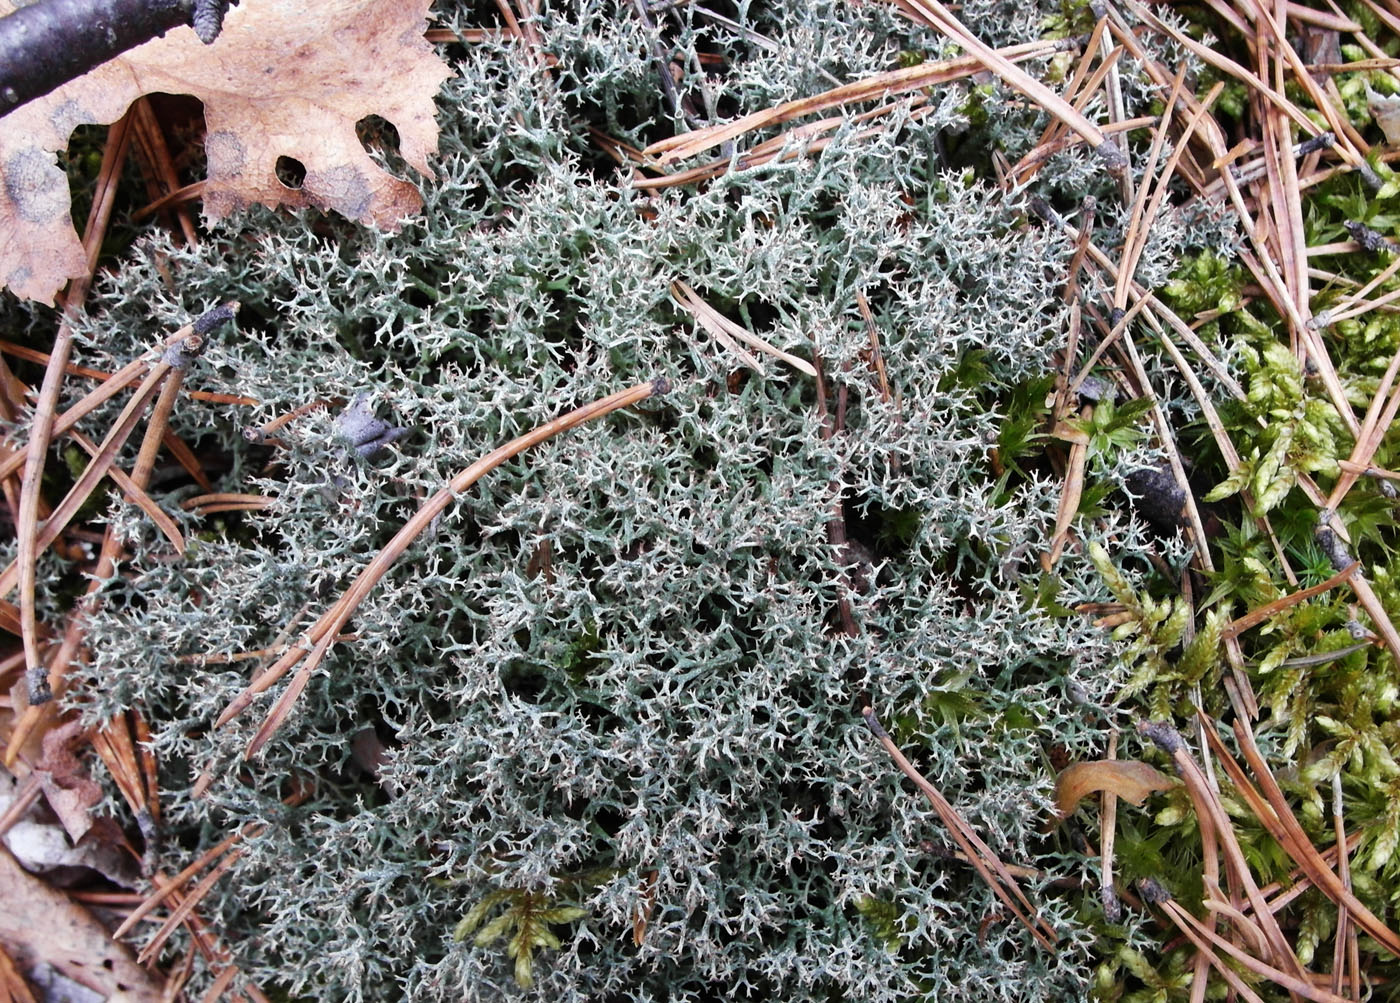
pixel 597 732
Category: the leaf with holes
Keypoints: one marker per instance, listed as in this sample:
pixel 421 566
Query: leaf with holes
pixel 284 79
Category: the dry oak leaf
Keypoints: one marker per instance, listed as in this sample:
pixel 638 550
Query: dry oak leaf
pixel 285 78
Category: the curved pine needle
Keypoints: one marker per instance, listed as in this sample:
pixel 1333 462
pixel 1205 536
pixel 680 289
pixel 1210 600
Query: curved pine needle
pixel 325 631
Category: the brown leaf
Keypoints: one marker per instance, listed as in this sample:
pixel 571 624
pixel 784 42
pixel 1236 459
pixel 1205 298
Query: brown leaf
pixel 71 793
pixel 39 924
pixel 285 78
pixel 1127 778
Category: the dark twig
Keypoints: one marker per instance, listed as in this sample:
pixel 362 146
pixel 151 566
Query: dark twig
pixel 46 44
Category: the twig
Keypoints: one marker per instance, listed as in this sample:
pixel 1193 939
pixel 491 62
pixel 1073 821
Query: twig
pixel 45 45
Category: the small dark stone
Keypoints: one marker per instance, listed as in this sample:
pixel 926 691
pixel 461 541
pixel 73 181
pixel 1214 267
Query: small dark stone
pixel 1163 735
pixel 1158 497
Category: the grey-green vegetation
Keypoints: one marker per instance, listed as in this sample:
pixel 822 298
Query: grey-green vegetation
pixel 658 721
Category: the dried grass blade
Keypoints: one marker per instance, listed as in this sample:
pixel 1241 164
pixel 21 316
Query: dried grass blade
pixel 877 357
pixel 1070 498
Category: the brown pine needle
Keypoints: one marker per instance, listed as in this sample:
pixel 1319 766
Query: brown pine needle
pixel 77 496
pixel 220 985
pixel 41 427
pixel 935 15
pixel 1138 223
pixel 13 988
pixel 1076 92
pixel 1373 429
pixel 186 907
pixel 728 333
pixel 1209 808
pixel 325 631
pixel 173 885
pixel 135 494
pixel 42 358
pixel 226 501
pixel 1307 857
pixel 988 866
pixel 113 385
pixel 185 456
pixel 1142 226
pixel 1257 616
pixel 1205 938
pixel 878 86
